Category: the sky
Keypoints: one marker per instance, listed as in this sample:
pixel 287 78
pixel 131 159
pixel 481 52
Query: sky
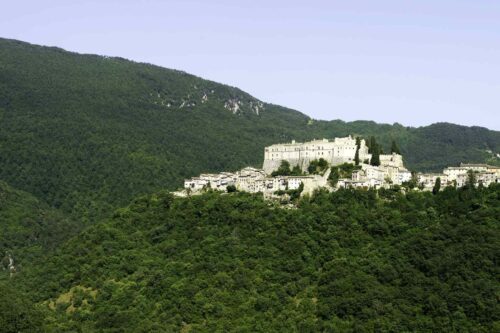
pixel 412 62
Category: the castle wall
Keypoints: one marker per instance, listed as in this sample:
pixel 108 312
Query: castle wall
pixel 335 152
pixel 394 160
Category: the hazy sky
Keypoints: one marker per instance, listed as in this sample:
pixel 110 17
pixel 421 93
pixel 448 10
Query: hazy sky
pixel 412 62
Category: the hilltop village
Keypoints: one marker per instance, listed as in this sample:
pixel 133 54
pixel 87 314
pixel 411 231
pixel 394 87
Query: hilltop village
pixel 292 169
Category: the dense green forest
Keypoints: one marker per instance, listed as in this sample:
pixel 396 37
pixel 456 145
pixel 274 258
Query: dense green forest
pixel 88 133
pixel 30 231
pixel 18 313
pixel 348 261
pixel 29 228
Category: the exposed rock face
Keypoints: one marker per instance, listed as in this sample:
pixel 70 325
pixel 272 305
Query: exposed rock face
pixel 236 106
pixel 237 103
pixel 11 267
pixel 8 264
pixel 232 105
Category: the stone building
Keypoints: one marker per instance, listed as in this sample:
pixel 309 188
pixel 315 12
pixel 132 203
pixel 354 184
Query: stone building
pixel 360 183
pixel 373 172
pixel 250 180
pixel 428 180
pixel 452 173
pixel 218 181
pixel 484 178
pixel 254 181
pixel 389 172
pixel 393 160
pixel 336 151
pixel 483 173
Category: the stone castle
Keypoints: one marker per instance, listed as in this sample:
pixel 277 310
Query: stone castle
pixel 337 151
pixel 390 172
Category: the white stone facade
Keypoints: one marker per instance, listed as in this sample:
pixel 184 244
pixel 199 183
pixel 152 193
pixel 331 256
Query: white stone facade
pixel 393 160
pixel 428 180
pixel 392 172
pixel 373 172
pixel 337 151
pixel 363 183
pixel 484 174
pixel 254 181
pixel 484 178
pixel 208 180
pixel 452 173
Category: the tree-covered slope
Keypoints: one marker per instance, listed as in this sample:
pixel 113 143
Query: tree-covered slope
pixel 18 314
pixel 29 229
pixel 87 133
pixel 348 261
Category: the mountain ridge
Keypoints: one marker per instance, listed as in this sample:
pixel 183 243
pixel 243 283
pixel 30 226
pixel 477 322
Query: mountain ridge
pixel 184 72
pixel 88 133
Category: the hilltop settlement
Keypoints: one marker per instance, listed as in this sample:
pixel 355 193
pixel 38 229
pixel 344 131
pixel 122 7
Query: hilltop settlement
pixel 295 168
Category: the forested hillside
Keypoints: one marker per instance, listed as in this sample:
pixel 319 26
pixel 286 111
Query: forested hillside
pixel 348 261
pixel 87 133
pixel 29 228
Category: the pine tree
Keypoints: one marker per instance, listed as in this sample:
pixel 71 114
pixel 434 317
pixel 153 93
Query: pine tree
pixel 395 148
pixel 471 180
pixel 283 170
pixel 374 149
pixel 375 160
pixel 356 155
pixel 372 144
pixel 437 186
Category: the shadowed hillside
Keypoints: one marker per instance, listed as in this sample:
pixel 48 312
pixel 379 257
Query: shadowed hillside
pixel 29 229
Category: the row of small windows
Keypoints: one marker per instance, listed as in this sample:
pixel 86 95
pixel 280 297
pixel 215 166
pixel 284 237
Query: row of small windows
pixel 337 150
pixel 318 153
pixel 307 148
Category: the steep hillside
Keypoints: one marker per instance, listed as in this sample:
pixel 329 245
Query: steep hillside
pixel 28 229
pixel 348 261
pixel 87 133
pixel 17 313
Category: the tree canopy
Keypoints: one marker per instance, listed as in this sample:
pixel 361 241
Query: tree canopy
pixel 395 148
pixel 317 166
pixel 351 260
